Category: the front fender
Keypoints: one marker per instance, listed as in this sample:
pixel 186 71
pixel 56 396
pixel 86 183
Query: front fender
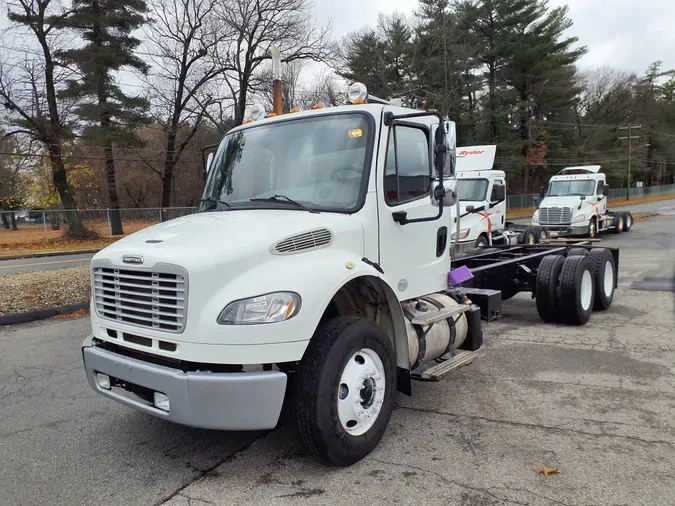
pixel 316 276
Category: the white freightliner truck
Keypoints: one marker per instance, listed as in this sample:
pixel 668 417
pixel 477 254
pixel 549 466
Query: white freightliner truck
pixel 482 203
pixel 315 272
pixel 575 204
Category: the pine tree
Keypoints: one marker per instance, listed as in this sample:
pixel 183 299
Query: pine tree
pixel 110 116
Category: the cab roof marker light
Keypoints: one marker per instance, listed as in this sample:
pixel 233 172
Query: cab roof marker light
pixel 358 93
pixel 256 112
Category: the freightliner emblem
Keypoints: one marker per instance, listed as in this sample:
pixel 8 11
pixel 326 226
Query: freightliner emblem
pixel 132 259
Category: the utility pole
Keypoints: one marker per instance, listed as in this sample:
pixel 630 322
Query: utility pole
pixel 630 151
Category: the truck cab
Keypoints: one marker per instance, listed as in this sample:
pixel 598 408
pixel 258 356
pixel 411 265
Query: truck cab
pixel 320 252
pixel 482 197
pixel 575 203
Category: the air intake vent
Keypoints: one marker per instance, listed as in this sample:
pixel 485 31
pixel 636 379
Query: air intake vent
pixel 315 239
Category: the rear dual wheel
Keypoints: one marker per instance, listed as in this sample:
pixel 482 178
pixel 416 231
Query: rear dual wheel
pixel 568 289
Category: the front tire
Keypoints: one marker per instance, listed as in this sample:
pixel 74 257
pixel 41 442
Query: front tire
pixel 482 242
pixel 345 388
pixel 592 229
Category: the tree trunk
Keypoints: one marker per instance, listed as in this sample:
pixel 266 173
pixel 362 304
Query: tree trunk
pixel 75 226
pixel 169 166
pixel 115 217
pixel 240 108
pixel 524 138
pixel 492 93
pixel 5 221
pixel 12 216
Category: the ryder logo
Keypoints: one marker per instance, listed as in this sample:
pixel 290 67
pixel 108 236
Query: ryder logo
pixel 464 152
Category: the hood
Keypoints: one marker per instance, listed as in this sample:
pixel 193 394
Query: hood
pixel 223 237
pixel 568 201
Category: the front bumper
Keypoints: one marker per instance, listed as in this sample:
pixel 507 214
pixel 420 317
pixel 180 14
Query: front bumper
pixel 225 401
pixel 564 230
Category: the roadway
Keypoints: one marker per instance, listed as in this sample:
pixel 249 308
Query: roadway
pixel 44 263
pixel 595 402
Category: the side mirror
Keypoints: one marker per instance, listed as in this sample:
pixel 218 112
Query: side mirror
pixel 450 197
pixel 542 191
pixel 537 201
pixel 445 144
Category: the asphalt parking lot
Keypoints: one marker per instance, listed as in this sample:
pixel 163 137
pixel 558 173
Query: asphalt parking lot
pixel 596 402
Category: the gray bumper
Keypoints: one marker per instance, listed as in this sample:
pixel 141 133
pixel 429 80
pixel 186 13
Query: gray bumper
pixel 565 230
pixel 225 401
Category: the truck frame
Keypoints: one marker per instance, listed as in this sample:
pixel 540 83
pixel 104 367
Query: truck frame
pixel 317 275
pixel 575 204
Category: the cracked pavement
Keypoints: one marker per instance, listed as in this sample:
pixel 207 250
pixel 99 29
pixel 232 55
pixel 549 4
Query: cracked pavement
pixel 596 402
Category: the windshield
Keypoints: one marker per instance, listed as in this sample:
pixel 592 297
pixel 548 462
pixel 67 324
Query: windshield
pixel 472 189
pixel 319 163
pixel 576 187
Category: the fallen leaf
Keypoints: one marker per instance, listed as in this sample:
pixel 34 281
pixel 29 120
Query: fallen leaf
pixel 547 470
pixel 74 314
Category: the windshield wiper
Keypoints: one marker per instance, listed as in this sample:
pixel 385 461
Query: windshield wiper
pixel 214 200
pixel 282 198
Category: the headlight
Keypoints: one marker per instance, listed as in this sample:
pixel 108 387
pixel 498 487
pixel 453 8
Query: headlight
pixel 270 308
pixel 578 218
pixel 463 234
pixel 535 217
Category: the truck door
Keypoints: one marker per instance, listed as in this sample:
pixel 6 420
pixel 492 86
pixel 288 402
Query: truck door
pixel 602 201
pixel 496 208
pixel 413 256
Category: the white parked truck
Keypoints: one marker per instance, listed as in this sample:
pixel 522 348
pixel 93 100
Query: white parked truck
pixel 315 275
pixel 575 204
pixel 481 191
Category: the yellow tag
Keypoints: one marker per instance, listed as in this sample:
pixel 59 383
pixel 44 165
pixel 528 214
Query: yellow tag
pixel 350 265
pixel 355 133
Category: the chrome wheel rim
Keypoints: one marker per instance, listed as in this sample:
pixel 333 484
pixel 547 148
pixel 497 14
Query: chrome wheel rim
pixel 361 392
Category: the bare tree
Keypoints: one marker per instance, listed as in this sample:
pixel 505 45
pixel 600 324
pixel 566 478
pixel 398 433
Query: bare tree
pixel 185 45
pixel 29 82
pixel 256 26
pixel 324 89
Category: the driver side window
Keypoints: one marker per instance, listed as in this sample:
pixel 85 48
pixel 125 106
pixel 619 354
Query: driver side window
pixel 407 172
pixel 497 191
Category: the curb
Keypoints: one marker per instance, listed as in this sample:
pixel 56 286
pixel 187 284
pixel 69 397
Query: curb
pixel 40 314
pixel 50 254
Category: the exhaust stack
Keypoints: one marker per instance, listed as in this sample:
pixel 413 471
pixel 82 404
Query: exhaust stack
pixel 276 76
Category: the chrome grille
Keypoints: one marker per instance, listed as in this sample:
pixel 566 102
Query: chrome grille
pixel 303 242
pixel 146 298
pixel 555 215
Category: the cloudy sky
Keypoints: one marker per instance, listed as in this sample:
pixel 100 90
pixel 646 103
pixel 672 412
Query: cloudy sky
pixel 628 34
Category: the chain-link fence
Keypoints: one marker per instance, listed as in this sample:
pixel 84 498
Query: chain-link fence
pixel 49 225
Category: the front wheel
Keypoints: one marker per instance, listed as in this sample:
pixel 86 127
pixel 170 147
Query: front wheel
pixel 345 388
pixel 482 242
pixel 592 228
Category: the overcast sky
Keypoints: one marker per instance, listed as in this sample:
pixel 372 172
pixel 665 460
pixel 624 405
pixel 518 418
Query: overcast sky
pixel 628 34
